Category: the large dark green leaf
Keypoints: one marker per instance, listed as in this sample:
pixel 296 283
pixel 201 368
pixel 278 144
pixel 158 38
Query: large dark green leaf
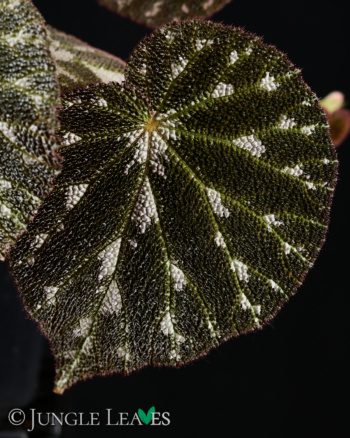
pixel 29 98
pixel 79 64
pixel 153 13
pixel 192 202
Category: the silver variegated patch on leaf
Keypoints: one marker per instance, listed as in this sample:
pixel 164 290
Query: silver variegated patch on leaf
pixel 29 98
pixel 154 13
pixel 192 202
pixel 79 64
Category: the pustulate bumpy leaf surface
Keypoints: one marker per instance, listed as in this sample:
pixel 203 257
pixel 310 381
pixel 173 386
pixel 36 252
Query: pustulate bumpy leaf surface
pixel 154 13
pixel 193 200
pixel 79 64
pixel 28 101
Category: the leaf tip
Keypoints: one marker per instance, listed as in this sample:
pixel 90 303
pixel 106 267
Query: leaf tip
pixel 58 390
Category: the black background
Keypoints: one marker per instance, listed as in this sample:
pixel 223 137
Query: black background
pixel 288 380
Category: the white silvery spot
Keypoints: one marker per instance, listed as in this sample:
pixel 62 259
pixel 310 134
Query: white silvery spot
pixel 308 130
pixel 325 161
pixel 24 82
pixel 178 277
pixel 219 240
pixel 275 286
pixel 233 57
pixel 169 36
pixel 74 194
pixel 31 261
pixel 145 210
pixel 168 122
pixel 7 131
pixel 18 38
pixel 55 45
pixel 141 150
pixel 170 112
pixel 179 338
pixel 109 258
pixel 251 144
pixel 213 332
pixel 174 355
pixel 39 241
pixel 294 171
pixel 286 122
pixel 132 136
pixel 33 129
pixel 240 269
pixel 30 160
pixel 70 138
pixel 157 152
pixel 123 353
pixel 143 69
pixel 167 328
pixel 245 303
pixel 169 131
pixel 60 226
pixel 13 4
pixel 102 103
pixel 154 11
pixel 310 185
pixel 222 90
pixel 178 68
pixel 249 50
pixel 271 220
pixel 306 102
pixel 199 44
pixel 37 99
pixel 268 83
pixel 287 248
pixel 215 201
pixel 113 301
pixel 5 211
pixel 4 184
pixel 67 103
pixel 104 75
pixel 257 309
pixel 61 54
pixel 166 325
pixel 83 328
pixel 50 292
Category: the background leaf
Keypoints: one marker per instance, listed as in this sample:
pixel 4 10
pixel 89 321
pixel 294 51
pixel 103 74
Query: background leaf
pixel 192 203
pixel 154 13
pixel 29 97
pixel 339 125
pixel 79 64
pixel 338 116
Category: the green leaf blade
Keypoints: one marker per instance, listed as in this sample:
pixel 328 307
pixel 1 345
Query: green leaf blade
pixel 181 218
pixel 28 122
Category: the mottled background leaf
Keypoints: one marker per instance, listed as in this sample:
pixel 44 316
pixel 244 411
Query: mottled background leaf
pixel 338 116
pixel 153 13
pixel 193 200
pixel 29 98
pixel 79 64
pixel 340 125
